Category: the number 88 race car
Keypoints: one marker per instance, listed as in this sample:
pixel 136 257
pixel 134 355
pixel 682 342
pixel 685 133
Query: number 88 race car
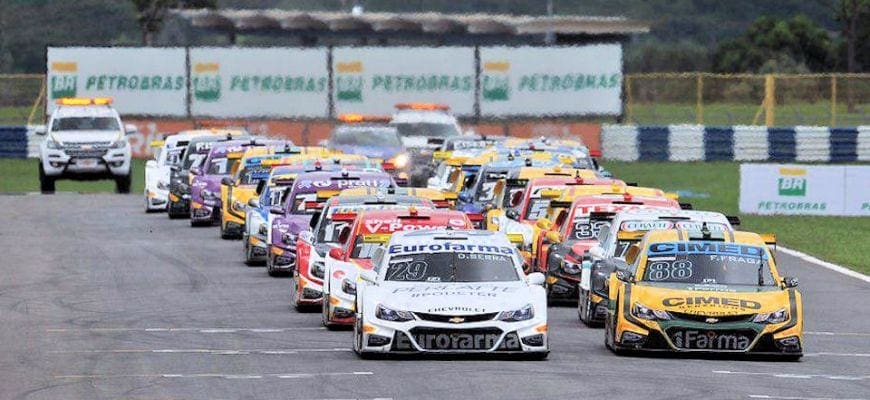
pixel 450 291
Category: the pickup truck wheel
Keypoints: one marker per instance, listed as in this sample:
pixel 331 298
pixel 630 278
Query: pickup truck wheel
pixel 46 183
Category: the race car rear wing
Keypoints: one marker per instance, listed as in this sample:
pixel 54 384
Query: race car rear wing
pixel 601 216
pixel 769 239
pixel 686 206
pixel 733 220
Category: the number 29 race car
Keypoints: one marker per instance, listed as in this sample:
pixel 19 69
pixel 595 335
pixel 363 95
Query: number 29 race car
pixel 450 291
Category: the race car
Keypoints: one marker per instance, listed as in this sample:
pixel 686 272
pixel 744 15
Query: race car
pixel 423 127
pixel 194 155
pixel 703 291
pixel 308 195
pixel 449 291
pixel 85 140
pixel 372 137
pixel 237 190
pixel 169 153
pixel 597 263
pixel 205 182
pixel 370 230
pixel 312 246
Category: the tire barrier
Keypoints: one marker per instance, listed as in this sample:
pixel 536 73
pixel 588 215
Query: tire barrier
pixel 13 142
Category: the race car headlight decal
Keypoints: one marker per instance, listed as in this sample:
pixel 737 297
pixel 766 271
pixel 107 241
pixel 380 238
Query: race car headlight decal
pixel 162 185
pixel 51 144
pixel 318 270
pixel 775 317
pixel 524 314
pixel 118 144
pixel 643 312
pixel 288 238
pixel 208 195
pixel 570 268
pixel 348 286
pixel 401 161
pixel 388 314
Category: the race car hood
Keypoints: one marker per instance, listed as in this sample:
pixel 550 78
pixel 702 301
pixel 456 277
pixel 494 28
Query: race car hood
pixel 292 223
pixel 86 136
pixel 382 152
pixel 456 298
pixel 714 300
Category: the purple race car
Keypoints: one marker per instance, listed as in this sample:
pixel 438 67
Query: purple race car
pixel 205 185
pixel 309 193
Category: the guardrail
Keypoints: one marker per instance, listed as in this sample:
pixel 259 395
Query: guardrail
pixel 735 143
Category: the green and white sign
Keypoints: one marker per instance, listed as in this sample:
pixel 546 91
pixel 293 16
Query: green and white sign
pixel 539 81
pixel 804 189
pixel 371 80
pixel 259 82
pixel 141 81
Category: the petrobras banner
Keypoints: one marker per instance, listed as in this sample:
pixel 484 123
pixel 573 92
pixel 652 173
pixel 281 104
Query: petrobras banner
pixel 804 189
pixel 259 82
pixel 541 81
pixel 371 80
pixel 142 81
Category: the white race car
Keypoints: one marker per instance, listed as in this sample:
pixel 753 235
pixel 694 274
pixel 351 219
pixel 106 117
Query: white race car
pixel 168 152
pixel 450 291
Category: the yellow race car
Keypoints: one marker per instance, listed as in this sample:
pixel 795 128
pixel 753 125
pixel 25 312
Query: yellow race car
pixel 702 291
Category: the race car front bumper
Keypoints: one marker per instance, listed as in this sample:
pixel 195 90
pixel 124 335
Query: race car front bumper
pixel 201 212
pixel 282 258
pixel 308 291
pixel 156 199
pixel 341 310
pixel 258 248
pixel 424 336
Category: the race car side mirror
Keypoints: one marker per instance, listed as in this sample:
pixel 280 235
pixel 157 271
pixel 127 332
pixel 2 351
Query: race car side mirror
pixel 252 202
pixel 336 253
pixel 368 275
pixel 277 210
pixel 624 275
pixel 512 214
pixel 516 198
pixel 536 278
pixel 790 281
pixel 227 181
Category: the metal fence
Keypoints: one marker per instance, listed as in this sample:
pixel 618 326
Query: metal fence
pixel 747 99
pixel 650 99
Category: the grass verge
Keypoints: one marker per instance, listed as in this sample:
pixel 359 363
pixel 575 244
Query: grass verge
pixel 716 185
pixel 22 175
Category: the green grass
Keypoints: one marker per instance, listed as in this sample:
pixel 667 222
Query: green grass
pixel 18 115
pixel 22 175
pixel 811 114
pixel 841 240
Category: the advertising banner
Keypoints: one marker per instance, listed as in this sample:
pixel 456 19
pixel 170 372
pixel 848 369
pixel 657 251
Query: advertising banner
pixel 141 81
pixel 259 82
pixel 804 189
pixel 547 81
pixel 371 80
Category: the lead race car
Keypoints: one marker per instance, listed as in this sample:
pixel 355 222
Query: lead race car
pixel 449 291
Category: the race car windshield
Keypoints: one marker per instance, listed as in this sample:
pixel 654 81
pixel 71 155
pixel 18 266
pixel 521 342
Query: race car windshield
pixel 451 267
pixel 253 175
pixel 173 156
pixel 329 230
pixel 363 250
pixel 366 136
pixel 193 160
pixel 85 124
pixel 426 129
pixel 711 267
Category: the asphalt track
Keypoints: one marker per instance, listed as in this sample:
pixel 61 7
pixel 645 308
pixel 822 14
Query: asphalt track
pixel 101 301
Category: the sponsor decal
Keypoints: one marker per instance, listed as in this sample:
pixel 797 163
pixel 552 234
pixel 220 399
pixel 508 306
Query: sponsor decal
pixel 349 81
pixel 441 290
pixel 453 309
pixel 457 340
pixel 206 81
pixel 63 79
pixel 447 246
pixel 792 181
pixel 395 225
pixel 496 81
pixel 571 82
pixel 657 249
pixel 710 340
pixel 632 226
pixel 703 301
pixel 277 83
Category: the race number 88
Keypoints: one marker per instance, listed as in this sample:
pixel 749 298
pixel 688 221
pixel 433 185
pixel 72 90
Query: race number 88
pixel 664 270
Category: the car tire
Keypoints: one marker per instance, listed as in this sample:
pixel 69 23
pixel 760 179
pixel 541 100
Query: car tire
pixel 269 269
pixel 122 184
pixel 46 183
pixel 249 255
pixel 584 311
pixel 324 314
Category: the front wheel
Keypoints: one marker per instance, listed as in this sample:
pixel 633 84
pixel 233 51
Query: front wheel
pixel 46 183
pixel 122 184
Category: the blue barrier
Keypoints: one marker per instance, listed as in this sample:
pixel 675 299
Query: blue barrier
pixel 13 142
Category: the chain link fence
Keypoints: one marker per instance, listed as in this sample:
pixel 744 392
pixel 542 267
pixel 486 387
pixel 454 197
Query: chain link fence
pixel 22 99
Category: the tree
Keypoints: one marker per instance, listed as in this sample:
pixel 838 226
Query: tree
pixel 151 13
pixel 774 45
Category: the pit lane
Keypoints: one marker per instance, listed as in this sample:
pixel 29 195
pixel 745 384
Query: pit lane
pixel 99 300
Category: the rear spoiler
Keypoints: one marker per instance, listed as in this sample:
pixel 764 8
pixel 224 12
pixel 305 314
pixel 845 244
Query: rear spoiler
pixel 560 204
pixel 733 220
pixel 686 206
pixel 601 216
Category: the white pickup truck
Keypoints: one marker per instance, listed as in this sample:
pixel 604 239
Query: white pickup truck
pixel 85 140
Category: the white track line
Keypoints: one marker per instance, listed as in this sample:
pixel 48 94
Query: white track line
pixel 230 352
pixel 824 333
pixel 833 267
pixel 764 396
pixel 199 330
pixel 224 376
pixel 797 376
pixel 837 354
